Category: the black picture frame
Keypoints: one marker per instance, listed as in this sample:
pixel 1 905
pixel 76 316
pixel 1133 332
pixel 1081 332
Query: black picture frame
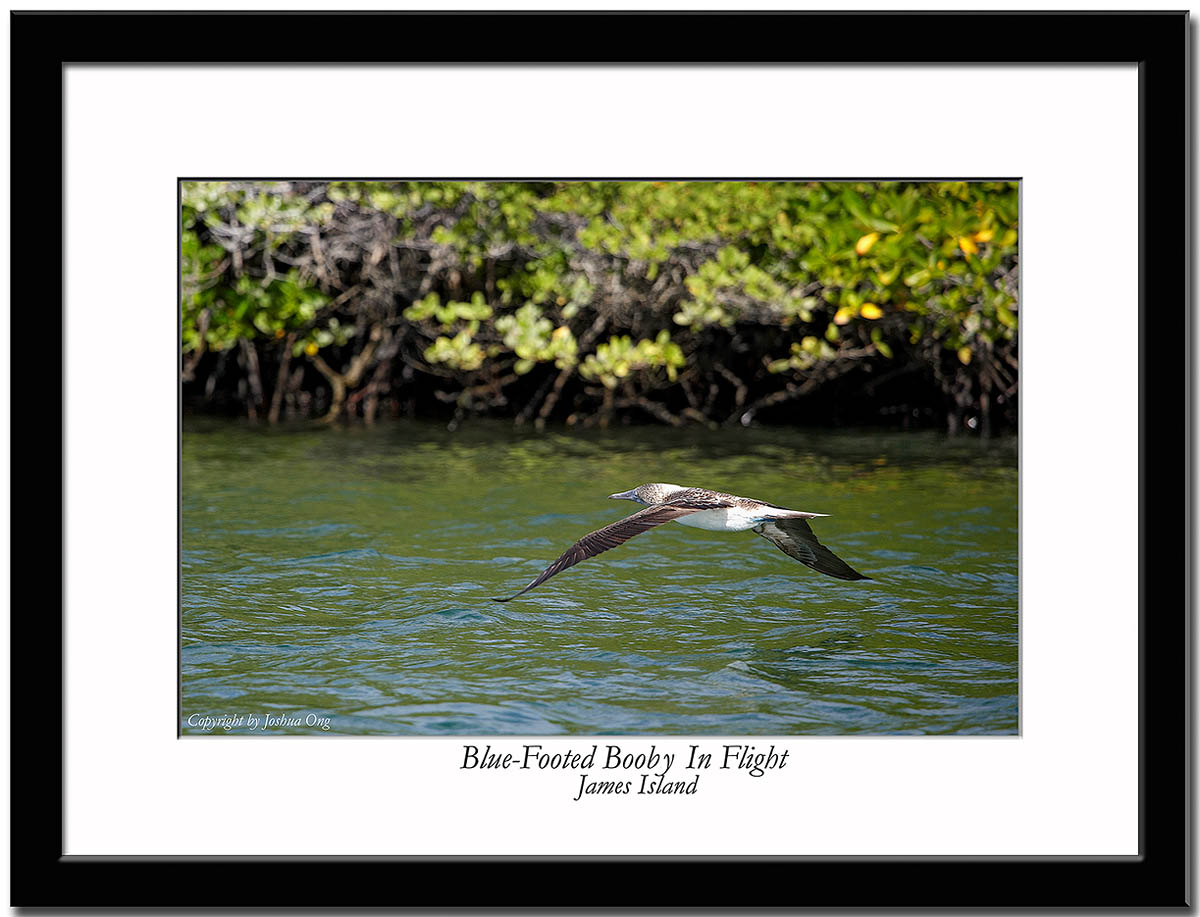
pixel 44 42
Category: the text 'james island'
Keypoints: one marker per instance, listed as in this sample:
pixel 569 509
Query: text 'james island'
pixel 652 769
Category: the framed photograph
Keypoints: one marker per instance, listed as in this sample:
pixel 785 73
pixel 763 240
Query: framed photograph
pixel 717 455
pixel 496 343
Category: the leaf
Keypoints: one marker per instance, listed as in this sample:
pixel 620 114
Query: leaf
pixel 967 244
pixel 964 355
pixel 863 245
pixel 871 311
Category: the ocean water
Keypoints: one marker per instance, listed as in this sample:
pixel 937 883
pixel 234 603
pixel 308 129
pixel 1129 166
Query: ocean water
pixel 339 581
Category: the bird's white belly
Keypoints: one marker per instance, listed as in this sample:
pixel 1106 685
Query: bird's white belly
pixel 721 520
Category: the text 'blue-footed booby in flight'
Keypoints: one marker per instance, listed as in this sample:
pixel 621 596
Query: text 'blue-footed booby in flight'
pixel 705 509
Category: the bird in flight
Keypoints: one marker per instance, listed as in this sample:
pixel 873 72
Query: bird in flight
pixel 787 529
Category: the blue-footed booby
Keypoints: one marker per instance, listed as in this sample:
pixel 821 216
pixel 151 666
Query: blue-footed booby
pixel 787 529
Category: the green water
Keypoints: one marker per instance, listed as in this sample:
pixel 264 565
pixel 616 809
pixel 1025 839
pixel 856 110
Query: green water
pixel 341 578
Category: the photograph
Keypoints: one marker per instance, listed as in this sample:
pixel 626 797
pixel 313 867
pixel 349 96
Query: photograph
pixel 620 457
pixel 633 451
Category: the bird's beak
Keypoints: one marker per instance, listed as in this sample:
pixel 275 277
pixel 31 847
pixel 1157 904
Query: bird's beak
pixel 627 495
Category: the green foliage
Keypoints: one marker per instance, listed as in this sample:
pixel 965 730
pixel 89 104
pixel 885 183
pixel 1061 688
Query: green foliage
pixel 534 339
pixel 804 355
pixel 624 284
pixel 616 359
pixel 458 352
pixel 931 254
pixel 222 304
pixel 446 315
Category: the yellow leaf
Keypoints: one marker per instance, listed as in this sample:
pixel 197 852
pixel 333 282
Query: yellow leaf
pixel 843 315
pixel 871 311
pixel 968 245
pixel 985 235
pixel 964 355
pixel 311 349
pixel 863 245
pixel 560 332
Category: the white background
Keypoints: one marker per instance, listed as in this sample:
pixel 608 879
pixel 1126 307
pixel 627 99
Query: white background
pixel 1067 786
pixel 1052 625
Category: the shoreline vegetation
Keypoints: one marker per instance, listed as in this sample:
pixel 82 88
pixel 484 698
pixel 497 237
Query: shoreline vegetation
pixel 596 303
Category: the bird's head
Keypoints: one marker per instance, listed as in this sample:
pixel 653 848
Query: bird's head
pixel 648 494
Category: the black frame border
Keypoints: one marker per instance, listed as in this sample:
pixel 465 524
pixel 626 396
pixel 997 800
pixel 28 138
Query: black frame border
pixel 43 43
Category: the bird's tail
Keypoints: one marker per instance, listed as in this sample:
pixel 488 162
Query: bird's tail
pixel 792 514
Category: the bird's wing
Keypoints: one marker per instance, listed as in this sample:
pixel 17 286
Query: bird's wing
pixel 618 533
pixel 794 538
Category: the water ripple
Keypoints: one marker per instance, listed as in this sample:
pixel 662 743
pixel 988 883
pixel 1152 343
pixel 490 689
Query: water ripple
pixel 348 579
